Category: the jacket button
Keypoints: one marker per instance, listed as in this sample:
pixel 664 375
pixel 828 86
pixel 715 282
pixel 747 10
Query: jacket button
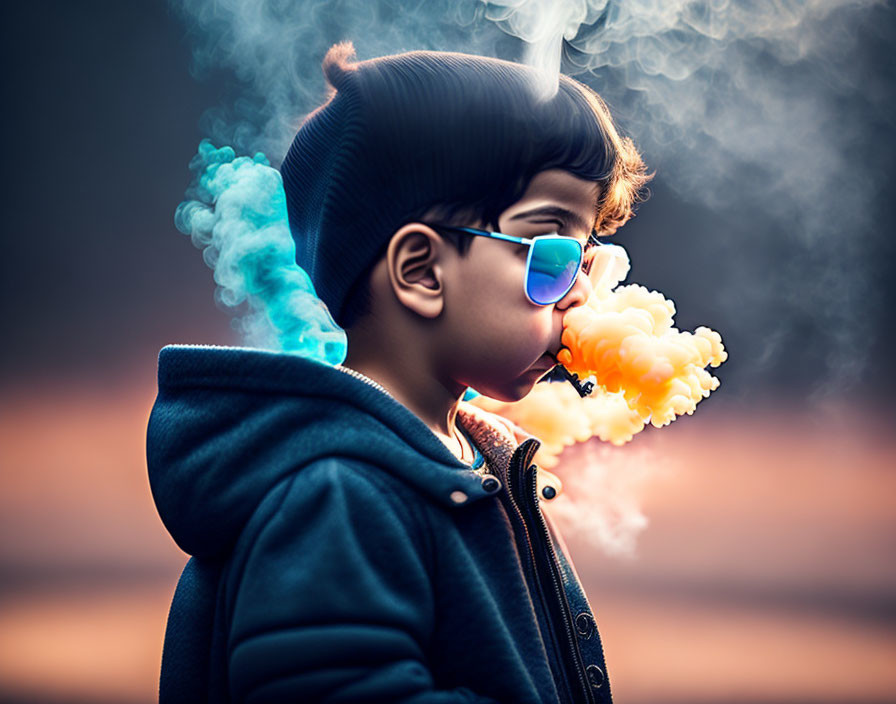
pixel 549 492
pixel 585 625
pixel 595 676
pixel 491 484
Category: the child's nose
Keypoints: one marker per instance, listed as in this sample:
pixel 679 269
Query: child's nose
pixel 578 294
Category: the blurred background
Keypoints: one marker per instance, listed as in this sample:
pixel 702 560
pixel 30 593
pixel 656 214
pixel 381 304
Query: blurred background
pixel 745 554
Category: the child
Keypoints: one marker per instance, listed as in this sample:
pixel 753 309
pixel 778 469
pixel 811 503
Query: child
pixel 359 533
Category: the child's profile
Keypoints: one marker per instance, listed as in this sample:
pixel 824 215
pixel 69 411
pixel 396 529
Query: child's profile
pixel 358 532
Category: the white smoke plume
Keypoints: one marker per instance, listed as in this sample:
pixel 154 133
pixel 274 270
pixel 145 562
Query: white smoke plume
pixel 748 108
pixel 759 111
pixel 601 501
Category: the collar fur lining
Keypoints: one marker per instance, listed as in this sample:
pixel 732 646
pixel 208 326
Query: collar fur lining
pixel 493 435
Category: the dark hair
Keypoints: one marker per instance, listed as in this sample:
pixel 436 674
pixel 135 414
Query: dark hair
pixel 450 133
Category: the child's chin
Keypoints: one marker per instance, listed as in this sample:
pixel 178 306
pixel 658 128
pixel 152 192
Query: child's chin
pixel 522 388
pixel 514 390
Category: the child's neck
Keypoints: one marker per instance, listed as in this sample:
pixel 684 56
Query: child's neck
pixel 423 395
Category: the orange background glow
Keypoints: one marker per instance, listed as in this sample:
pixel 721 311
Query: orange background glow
pixel 765 574
pixel 745 554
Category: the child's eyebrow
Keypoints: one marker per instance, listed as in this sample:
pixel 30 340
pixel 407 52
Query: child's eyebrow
pixel 572 219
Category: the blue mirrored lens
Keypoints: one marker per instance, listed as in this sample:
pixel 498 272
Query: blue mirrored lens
pixel 553 265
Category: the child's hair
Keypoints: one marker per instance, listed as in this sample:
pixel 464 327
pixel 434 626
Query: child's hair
pixel 452 136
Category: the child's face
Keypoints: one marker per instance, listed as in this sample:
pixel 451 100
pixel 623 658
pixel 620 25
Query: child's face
pixel 502 338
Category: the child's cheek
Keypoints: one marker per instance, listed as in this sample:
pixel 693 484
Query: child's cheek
pixel 533 331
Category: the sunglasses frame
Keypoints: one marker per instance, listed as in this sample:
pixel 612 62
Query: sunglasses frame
pixel 530 242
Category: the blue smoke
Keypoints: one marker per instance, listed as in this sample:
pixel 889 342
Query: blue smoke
pixel 237 216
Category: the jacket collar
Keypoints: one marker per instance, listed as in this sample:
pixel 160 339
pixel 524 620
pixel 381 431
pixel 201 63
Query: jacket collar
pixel 229 423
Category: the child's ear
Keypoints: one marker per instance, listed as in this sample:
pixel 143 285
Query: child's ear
pixel 415 266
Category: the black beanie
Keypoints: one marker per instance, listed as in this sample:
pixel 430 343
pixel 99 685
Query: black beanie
pixel 318 173
pixel 385 131
pixel 404 132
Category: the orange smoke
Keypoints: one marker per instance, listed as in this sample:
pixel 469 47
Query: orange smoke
pixel 645 369
pixel 559 417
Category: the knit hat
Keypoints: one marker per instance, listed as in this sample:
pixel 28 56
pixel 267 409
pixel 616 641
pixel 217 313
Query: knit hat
pixel 362 142
pixel 402 133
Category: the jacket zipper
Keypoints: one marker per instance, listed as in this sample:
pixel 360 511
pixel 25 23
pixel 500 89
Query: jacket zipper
pixel 516 462
pixel 559 590
pixel 366 379
pixel 554 570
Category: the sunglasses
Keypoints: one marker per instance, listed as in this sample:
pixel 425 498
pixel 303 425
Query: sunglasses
pixel 553 263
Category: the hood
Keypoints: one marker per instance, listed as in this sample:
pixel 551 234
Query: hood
pixel 229 423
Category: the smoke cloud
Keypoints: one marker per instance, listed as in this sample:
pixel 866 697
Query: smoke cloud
pixel 602 495
pixel 757 111
pixel 275 50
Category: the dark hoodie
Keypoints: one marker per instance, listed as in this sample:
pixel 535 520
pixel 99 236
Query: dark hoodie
pixel 341 553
